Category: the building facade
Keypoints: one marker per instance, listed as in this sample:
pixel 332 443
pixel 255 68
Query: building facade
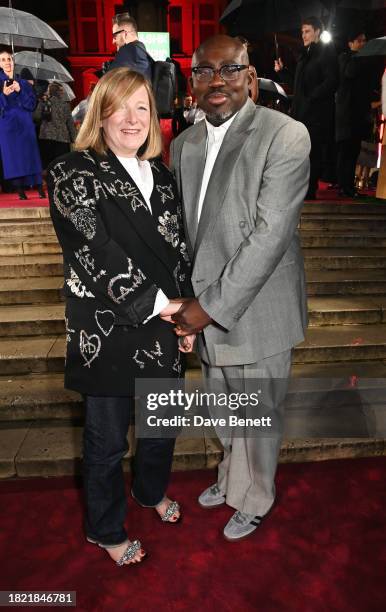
pixel 189 22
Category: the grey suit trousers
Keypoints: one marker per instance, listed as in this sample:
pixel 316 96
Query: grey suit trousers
pixel 247 472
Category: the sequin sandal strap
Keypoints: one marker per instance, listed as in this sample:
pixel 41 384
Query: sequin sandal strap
pixel 172 508
pixel 130 552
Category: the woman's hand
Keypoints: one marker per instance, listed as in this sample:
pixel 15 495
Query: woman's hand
pixel 8 90
pixel 186 343
pixel 16 86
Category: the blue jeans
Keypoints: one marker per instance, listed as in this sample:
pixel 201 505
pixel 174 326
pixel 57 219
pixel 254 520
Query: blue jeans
pixel 107 421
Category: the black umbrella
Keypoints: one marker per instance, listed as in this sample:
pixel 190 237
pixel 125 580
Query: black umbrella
pixel 361 5
pixel 376 46
pixel 258 17
pixel 272 87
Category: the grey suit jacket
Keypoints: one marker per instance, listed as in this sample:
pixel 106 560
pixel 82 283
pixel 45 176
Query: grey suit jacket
pixel 248 270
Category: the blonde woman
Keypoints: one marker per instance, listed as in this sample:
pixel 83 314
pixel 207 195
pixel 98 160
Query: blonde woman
pixel 117 217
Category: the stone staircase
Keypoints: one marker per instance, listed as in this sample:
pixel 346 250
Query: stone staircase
pixel 345 254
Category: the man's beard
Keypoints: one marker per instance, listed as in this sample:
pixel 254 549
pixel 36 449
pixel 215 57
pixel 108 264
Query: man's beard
pixel 219 118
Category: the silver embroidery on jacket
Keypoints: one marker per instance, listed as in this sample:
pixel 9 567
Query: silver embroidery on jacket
pixel 169 228
pixel 89 347
pixel 86 260
pixel 119 292
pixel 166 192
pixel 77 286
pixel 105 321
pixel 151 355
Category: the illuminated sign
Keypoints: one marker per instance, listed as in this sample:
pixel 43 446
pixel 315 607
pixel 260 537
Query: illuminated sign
pixel 157 44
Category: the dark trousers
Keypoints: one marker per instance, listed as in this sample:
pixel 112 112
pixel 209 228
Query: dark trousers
pixel 348 152
pixel 107 421
pixel 316 163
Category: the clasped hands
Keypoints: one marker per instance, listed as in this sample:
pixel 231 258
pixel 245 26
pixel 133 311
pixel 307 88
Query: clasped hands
pixel 189 318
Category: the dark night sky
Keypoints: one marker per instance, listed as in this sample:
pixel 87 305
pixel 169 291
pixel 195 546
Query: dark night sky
pixel 48 11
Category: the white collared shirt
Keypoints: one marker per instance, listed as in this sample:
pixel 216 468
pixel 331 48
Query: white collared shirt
pixel 214 140
pixel 141 173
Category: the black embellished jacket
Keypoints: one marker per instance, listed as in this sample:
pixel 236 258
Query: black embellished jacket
pixel 117 254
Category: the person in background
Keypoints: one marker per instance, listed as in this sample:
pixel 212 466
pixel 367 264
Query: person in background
pixel 18 143
pixel 79 112
pixel 57 128
pixel 353 111
pixel 316 81
pixel 130 51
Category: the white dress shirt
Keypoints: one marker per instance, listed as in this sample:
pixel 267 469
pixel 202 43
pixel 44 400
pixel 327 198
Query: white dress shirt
pixel 215 137
pixel 141 173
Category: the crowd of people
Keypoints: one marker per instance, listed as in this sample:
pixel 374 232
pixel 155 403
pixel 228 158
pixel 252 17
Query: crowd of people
pixel 36 126
pixel 332 96
pixel 158 261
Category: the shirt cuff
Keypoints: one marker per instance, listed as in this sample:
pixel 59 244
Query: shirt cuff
pixel 161 301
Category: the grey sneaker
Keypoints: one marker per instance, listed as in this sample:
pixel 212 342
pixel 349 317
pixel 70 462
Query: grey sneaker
pixel 211 497
pixel 240 525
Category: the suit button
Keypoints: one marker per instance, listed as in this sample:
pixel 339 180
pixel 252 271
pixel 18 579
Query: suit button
pixel 242 224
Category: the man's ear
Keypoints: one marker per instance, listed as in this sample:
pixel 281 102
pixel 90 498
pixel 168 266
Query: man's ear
pixel 253 83
pixel 190 80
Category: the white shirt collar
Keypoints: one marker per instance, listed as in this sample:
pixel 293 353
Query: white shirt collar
pixel 219 131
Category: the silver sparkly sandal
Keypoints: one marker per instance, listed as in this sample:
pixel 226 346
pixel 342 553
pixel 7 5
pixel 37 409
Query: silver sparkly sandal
pixel 172 508
pixel 129 553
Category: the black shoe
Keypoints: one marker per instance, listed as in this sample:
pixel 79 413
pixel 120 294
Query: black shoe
pixel 344 193
pixel 41 193
pixel 22 195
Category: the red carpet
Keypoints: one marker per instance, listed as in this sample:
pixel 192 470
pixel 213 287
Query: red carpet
pixel 322 549
pixel 11 200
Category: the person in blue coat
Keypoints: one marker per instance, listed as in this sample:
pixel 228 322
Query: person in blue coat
pixel 18 143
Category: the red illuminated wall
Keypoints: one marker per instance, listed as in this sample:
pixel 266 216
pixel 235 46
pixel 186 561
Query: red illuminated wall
pixel 188 21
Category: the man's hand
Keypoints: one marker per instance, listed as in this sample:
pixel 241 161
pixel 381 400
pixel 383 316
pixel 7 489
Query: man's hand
pixel 174 305
pixel 278 65
pixel 190 318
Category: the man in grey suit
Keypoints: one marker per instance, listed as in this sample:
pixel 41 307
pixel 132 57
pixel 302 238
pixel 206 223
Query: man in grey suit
pixel 242 174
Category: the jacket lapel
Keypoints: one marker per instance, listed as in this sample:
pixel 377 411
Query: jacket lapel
pixel 222 170
pixel 121 187
pixel 192 169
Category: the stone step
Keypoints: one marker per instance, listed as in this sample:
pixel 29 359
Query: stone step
pixel 33 245
pixel 31 320
pixel 48 319
pixel 351 310
pixel 343 208
pixel 23 355
pixel 356 240
pixel 33 212
pixel 32 450
pixel 37 397
pixel 37 290
pixel 34 227
pixel 342 343
pixel 346 282
pixel 344 259
pixel 22 266
pixel 369 223
pixel 41 396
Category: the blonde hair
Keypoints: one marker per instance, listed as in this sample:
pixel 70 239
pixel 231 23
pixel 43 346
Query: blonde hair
pixel 110 92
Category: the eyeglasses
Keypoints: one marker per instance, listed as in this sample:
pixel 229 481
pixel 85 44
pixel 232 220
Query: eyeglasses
pixel 229 72
pixel 115 34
